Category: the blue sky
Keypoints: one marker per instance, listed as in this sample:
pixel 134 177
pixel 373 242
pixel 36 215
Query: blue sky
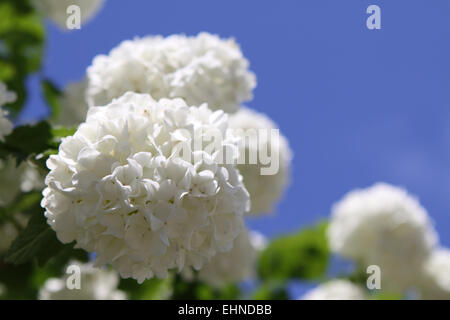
pixel 358 106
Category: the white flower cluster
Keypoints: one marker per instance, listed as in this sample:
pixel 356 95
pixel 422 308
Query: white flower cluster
pixel 235 265
pixel 6 96
pixel 56 10
pixel 265 190
pixel 435 282
pixel 336 290
pixel 120 189
pixel 95 284
pixel 73 103
pixel 200 69
pixel 383 225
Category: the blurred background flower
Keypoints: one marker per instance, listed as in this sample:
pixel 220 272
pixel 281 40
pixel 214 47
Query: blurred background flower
pixel 95 284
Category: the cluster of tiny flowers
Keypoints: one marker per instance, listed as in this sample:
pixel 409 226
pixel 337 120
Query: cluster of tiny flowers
pixel 56 10
pixel 383 225
pixel 435 282
pixel 336 290
pixel 118 187
pixel 199 69
pixel 95 284
pixel 265 189
pixel 233 266
pixel 6 96
pixel 73 104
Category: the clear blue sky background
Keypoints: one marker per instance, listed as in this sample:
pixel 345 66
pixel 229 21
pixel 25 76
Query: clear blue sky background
pixel 358 106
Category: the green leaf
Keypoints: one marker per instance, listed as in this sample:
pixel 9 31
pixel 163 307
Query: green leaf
pixel 24 204
pixel 153 289
pixel 27 140
pixel 61 132
pixel 52 94
pixel 303 255
pixel 27 201
pixel 56 265
pixel 21 46
pixel 197 290
pixel 37 242
pixel 271 291
pixel 17 282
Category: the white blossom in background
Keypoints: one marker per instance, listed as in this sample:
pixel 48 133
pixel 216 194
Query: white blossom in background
pixel 5 95
pixel 32 179
pixel 119 188
pixel 385 226
pixel 15 179
pixel 10 230
pixel 10 180
pixel 265 190
pixel 435 282
pixel 336 290
pixel 73 104
pixel 95 284
pixel 6 125
pixel 233 266
pixel 56 10
pixel 199 69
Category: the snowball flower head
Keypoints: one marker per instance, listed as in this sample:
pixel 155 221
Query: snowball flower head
pixel 336 290
pixel 95 284
pixel 235 265
pixel 436 276
pixel 199 69
pixel 73 103
pixel 383 225
pixel 6 96
pixel 56 10
pixel 265 189
pixel 119 187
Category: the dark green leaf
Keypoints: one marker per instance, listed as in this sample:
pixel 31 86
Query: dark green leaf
pixel 27 140
pixel 197 290
pixel 24 204
pixel 52 94
pixel 37 242
pixel 153 289
pixel 17 282
pixel 55 266
pixel 271 291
